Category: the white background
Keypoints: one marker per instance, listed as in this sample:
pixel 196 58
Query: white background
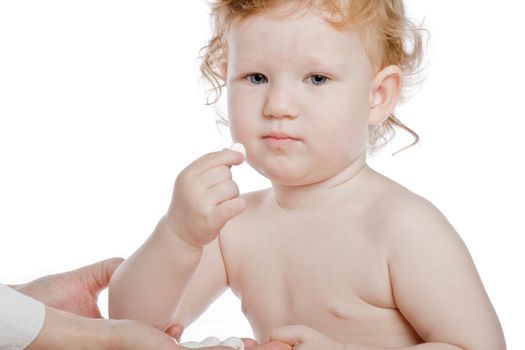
pixel 101 107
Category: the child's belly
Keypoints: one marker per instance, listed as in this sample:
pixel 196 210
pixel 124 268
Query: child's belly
pixel 347 319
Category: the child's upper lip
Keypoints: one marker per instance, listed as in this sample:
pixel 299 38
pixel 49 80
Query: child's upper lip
pixel 279 135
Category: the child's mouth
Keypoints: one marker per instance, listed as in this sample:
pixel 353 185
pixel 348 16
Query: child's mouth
pixel 279 139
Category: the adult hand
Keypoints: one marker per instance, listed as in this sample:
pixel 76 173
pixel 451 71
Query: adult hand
pixel 77 291
pixel 74 291
pixel 133 335
pixel 65 331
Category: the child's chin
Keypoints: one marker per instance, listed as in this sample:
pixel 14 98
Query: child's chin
pixel 287 179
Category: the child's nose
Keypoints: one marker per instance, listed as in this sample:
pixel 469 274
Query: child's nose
pixel 280 103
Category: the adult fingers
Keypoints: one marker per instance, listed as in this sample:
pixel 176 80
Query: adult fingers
pixel 132 335
pixel 98 274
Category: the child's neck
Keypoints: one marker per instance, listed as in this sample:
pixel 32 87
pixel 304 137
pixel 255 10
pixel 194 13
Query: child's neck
pixel 321 194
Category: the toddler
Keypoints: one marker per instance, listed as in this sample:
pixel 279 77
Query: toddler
pixel 334 255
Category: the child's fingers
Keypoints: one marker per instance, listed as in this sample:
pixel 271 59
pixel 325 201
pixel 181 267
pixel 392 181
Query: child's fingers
pixel 215 159
pixel 230 209
pixel 174 331
pixel 291 335
pixel 248 342
pixel 215 175
pixel 222 192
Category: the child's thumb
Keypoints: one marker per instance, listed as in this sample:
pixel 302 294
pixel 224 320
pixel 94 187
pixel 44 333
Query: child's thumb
pixel 291 335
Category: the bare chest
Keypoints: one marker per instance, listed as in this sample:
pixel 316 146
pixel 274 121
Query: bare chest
pixel 322 273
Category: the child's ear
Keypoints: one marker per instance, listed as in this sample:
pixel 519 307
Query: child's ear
pixel 386 88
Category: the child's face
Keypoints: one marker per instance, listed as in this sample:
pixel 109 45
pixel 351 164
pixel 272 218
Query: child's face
pixel 298 77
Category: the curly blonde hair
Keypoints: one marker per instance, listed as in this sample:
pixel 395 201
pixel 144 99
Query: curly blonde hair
pixel 392 40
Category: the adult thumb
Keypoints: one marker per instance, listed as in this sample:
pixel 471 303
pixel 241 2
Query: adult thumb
pixel 99 274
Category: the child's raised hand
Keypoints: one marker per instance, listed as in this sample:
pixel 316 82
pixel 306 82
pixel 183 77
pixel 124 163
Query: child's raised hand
pixel 205 198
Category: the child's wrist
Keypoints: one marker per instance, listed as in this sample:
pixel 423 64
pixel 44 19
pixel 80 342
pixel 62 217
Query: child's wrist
pixel 175 236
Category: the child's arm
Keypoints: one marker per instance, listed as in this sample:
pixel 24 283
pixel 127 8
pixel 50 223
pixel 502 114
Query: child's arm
pixel 435 283
pixel 150 284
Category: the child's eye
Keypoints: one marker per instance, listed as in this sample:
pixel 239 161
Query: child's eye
pixel 318 79
pixel 257 78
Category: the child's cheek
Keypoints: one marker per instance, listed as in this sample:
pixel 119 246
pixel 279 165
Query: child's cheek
pixel 236 129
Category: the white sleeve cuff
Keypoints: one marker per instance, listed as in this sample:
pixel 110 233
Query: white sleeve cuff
pixel 21 319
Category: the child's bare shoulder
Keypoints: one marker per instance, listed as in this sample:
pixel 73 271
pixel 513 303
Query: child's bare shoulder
pixel 254 202
pixel 432 275
pixel 408 218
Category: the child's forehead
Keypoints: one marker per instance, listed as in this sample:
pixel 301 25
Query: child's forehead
pixel 289 27
pixel 306 40
pixel 293 11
